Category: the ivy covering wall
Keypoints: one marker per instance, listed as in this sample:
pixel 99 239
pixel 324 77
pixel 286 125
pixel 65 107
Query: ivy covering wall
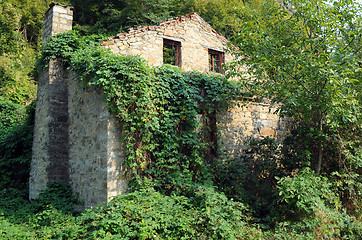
pixel 164 112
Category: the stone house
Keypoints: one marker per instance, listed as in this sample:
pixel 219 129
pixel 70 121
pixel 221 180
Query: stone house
pixel 76 139
pixel 187 42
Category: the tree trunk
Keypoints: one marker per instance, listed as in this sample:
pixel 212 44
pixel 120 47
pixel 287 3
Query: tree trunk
pixel 320 148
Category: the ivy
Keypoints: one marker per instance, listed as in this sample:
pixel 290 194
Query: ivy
pixel 164 112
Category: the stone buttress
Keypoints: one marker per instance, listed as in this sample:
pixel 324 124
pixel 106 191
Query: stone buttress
pixel 76 140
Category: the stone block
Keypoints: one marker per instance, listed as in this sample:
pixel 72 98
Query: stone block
pixel 267 132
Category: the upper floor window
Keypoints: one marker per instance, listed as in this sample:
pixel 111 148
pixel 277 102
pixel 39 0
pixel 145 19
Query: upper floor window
pixel 171 52
pixel 216 59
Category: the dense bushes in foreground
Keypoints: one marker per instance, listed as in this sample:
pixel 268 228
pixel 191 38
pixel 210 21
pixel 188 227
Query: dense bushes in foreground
pixel 178 192
pixel 267 193
pixel 203 214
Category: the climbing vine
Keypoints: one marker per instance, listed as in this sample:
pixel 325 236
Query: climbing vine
pixel 164 112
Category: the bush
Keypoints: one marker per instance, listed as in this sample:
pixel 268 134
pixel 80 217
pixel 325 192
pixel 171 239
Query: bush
pixel 15 152
pixel 10 114
pixel 58 196
pixel 13 231
pixel 251 178
pixel 313 200
pixel 148 214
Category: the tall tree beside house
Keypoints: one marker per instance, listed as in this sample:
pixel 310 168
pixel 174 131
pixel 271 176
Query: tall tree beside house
pixel 16 57
pixel 306 56
pixel 21 23
pixel 115 16
pixel 224 15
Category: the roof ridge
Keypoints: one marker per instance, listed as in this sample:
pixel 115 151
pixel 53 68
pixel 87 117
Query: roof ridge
pixel 134 30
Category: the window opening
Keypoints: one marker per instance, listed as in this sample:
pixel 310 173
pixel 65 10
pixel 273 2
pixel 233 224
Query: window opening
pixel 216 59
pixel 171 52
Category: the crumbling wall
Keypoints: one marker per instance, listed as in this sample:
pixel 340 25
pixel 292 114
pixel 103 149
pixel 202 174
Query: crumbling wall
pixel 195 35
pixel 246 121
pixel 95 156
pixel 77 141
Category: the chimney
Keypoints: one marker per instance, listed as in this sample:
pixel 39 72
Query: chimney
pixel 58 19
pixel 50 157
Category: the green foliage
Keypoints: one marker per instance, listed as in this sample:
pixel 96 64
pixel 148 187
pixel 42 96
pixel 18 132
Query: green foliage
pixel 307 191
pixel 223 15
pixel 57 196
pixel 317 205
pixel 9 20
pixel 157 109
pixel 13 231
pixel 287 199
pixel 15 83
pixel 14 205
pixel 306 59
pixel 142 214
pixel 64 45
pixel 111 17
pixel 114 16
pixel 16 57
pixel 47 217
pixel 10 114
pixel 147 214
pixel 251 178
pixel 15 152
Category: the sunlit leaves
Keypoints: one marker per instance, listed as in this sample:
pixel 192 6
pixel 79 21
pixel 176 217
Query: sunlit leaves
pixel 158 108
pixel 303 56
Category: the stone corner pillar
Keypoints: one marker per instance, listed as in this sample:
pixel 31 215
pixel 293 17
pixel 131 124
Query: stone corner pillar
pixel 50 156
pixel 57 19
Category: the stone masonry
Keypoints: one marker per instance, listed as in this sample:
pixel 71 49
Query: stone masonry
pixel 250 120
pixel 194 34
pixel 76 139
pixel 57 19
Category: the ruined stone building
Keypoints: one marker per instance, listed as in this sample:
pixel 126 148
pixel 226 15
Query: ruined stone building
pixel 76 139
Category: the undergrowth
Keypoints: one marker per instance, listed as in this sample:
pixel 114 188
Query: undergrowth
pixel 161 109
pixel 168 117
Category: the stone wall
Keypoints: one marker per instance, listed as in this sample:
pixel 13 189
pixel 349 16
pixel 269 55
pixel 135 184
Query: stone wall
pixel 249 120
pixel 76 139
pixel 195 35
pixel 57 19
pixel 50 158
pixel 39 162
pixel 50 148
pixel 95 149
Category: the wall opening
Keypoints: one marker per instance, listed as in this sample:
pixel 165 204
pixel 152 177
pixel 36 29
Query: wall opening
pixel 171 52
pixel 216 59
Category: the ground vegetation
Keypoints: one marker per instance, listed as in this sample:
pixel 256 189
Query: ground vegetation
pixel 304 55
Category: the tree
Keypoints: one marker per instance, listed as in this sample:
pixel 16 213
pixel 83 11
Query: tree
pixel 222 15
pixel 115 16
pixel 17 57
pixel 306 56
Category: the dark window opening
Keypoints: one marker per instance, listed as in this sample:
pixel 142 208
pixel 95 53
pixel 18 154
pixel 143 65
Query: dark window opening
pixel 171 52
pixel 216 59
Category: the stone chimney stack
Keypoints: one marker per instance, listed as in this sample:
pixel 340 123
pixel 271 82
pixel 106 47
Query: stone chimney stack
pixel 50 157
pixel 58 19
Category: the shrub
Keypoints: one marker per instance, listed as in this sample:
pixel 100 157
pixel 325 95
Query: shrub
pixel 58 196
pixel 313 200
pixel 15 152
pixel 251 177
pixel 148 214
